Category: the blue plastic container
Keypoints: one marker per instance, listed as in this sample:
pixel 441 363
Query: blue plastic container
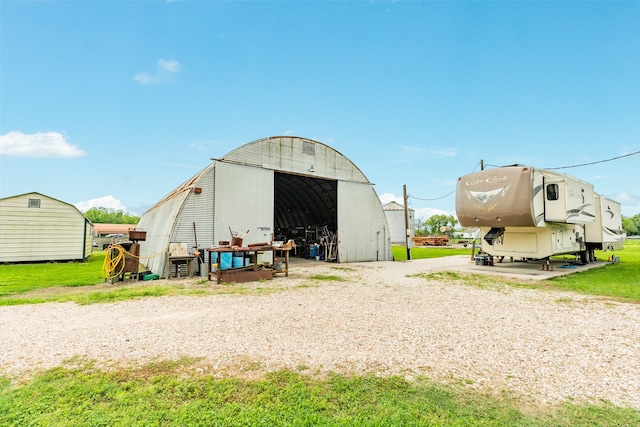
pixel 225 260
pixel 313 251
pixel 238 262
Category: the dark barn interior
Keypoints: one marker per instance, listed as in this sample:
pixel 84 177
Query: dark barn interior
pixel 305 210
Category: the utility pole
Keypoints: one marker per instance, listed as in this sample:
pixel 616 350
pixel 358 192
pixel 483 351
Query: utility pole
pixel 481 165
pixel 406 222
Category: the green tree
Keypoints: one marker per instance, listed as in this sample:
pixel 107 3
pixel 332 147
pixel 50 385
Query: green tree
pixel 110 216
pixel 631 225
pixel 435 222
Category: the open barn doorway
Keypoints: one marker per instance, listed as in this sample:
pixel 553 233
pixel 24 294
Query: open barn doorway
pixel 305 211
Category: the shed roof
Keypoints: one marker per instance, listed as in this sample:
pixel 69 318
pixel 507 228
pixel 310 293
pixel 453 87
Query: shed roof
pixel 44 195
pixel 394 206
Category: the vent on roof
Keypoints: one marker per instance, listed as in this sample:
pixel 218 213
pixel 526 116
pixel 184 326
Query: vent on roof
pixel 308 148
pixel 34 203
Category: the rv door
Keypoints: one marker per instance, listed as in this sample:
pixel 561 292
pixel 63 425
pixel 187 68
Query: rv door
pixel 554 199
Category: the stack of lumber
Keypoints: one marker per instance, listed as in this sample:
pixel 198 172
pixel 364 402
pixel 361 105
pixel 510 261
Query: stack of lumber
pixel 430 240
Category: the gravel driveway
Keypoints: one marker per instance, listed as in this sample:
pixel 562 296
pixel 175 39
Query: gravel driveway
pixel 545 346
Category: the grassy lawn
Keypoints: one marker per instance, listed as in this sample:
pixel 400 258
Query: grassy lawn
pixel 20 278
pixel 173 393
pixel 615 280
pixel 80 282
pixel 422 252
pixel 161 394
pixel 83 283
pixel 620 280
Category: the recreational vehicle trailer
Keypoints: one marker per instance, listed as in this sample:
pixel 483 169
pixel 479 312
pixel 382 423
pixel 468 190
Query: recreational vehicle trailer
pixel 530 213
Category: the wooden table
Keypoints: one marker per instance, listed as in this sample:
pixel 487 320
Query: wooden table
pixel 242 274
pixel 277 251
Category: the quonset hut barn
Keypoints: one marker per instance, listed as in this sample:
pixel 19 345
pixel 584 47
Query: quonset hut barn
pixel 278 188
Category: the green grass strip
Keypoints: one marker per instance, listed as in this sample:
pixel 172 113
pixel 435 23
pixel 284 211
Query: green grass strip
pixel 157 395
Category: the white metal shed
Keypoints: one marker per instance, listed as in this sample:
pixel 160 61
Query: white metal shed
pixel 35 227
pixel 279 187
pixel 397 228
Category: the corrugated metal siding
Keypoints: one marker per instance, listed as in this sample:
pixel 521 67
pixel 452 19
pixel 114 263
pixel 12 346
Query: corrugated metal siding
pixel 54 231
pixel 363 233
pixel 198 210
pixel 159 223
pixel 395 220
pixel 172 218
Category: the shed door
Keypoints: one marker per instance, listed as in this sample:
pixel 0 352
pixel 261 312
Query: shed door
pixel 243 201
pixel 363 234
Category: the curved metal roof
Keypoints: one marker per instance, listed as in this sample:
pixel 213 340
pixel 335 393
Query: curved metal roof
pixel 293 154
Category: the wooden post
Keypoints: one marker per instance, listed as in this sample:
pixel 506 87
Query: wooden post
pixel 406 222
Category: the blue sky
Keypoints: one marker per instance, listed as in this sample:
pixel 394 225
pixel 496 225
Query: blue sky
pixel 116 103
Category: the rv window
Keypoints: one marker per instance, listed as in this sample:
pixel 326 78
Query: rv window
pixel 552 192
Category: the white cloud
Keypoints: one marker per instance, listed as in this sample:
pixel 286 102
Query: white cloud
pixel 199 146
pixel 108 202
pixel 41 144
pixel 629 203
pixel 388 197
pixel 169 66
pixel 628 198
pixel 163 74
pixel 144 78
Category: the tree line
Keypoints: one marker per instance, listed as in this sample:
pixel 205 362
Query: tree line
pixel 434 224
pixel 110 216
pixel 631 225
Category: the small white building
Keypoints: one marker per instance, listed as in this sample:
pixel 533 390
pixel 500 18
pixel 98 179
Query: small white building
pixel 276 188
pixel 35 227
pixel 395 218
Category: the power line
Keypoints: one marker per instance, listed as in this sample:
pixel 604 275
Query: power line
pixel 446 195
pixel 435 198
pixel 561 167
pixel 582 164
pixel 594 163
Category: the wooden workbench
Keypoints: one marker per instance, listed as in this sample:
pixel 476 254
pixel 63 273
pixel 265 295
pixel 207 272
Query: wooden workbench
pixel 250 273
pixel 285 266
